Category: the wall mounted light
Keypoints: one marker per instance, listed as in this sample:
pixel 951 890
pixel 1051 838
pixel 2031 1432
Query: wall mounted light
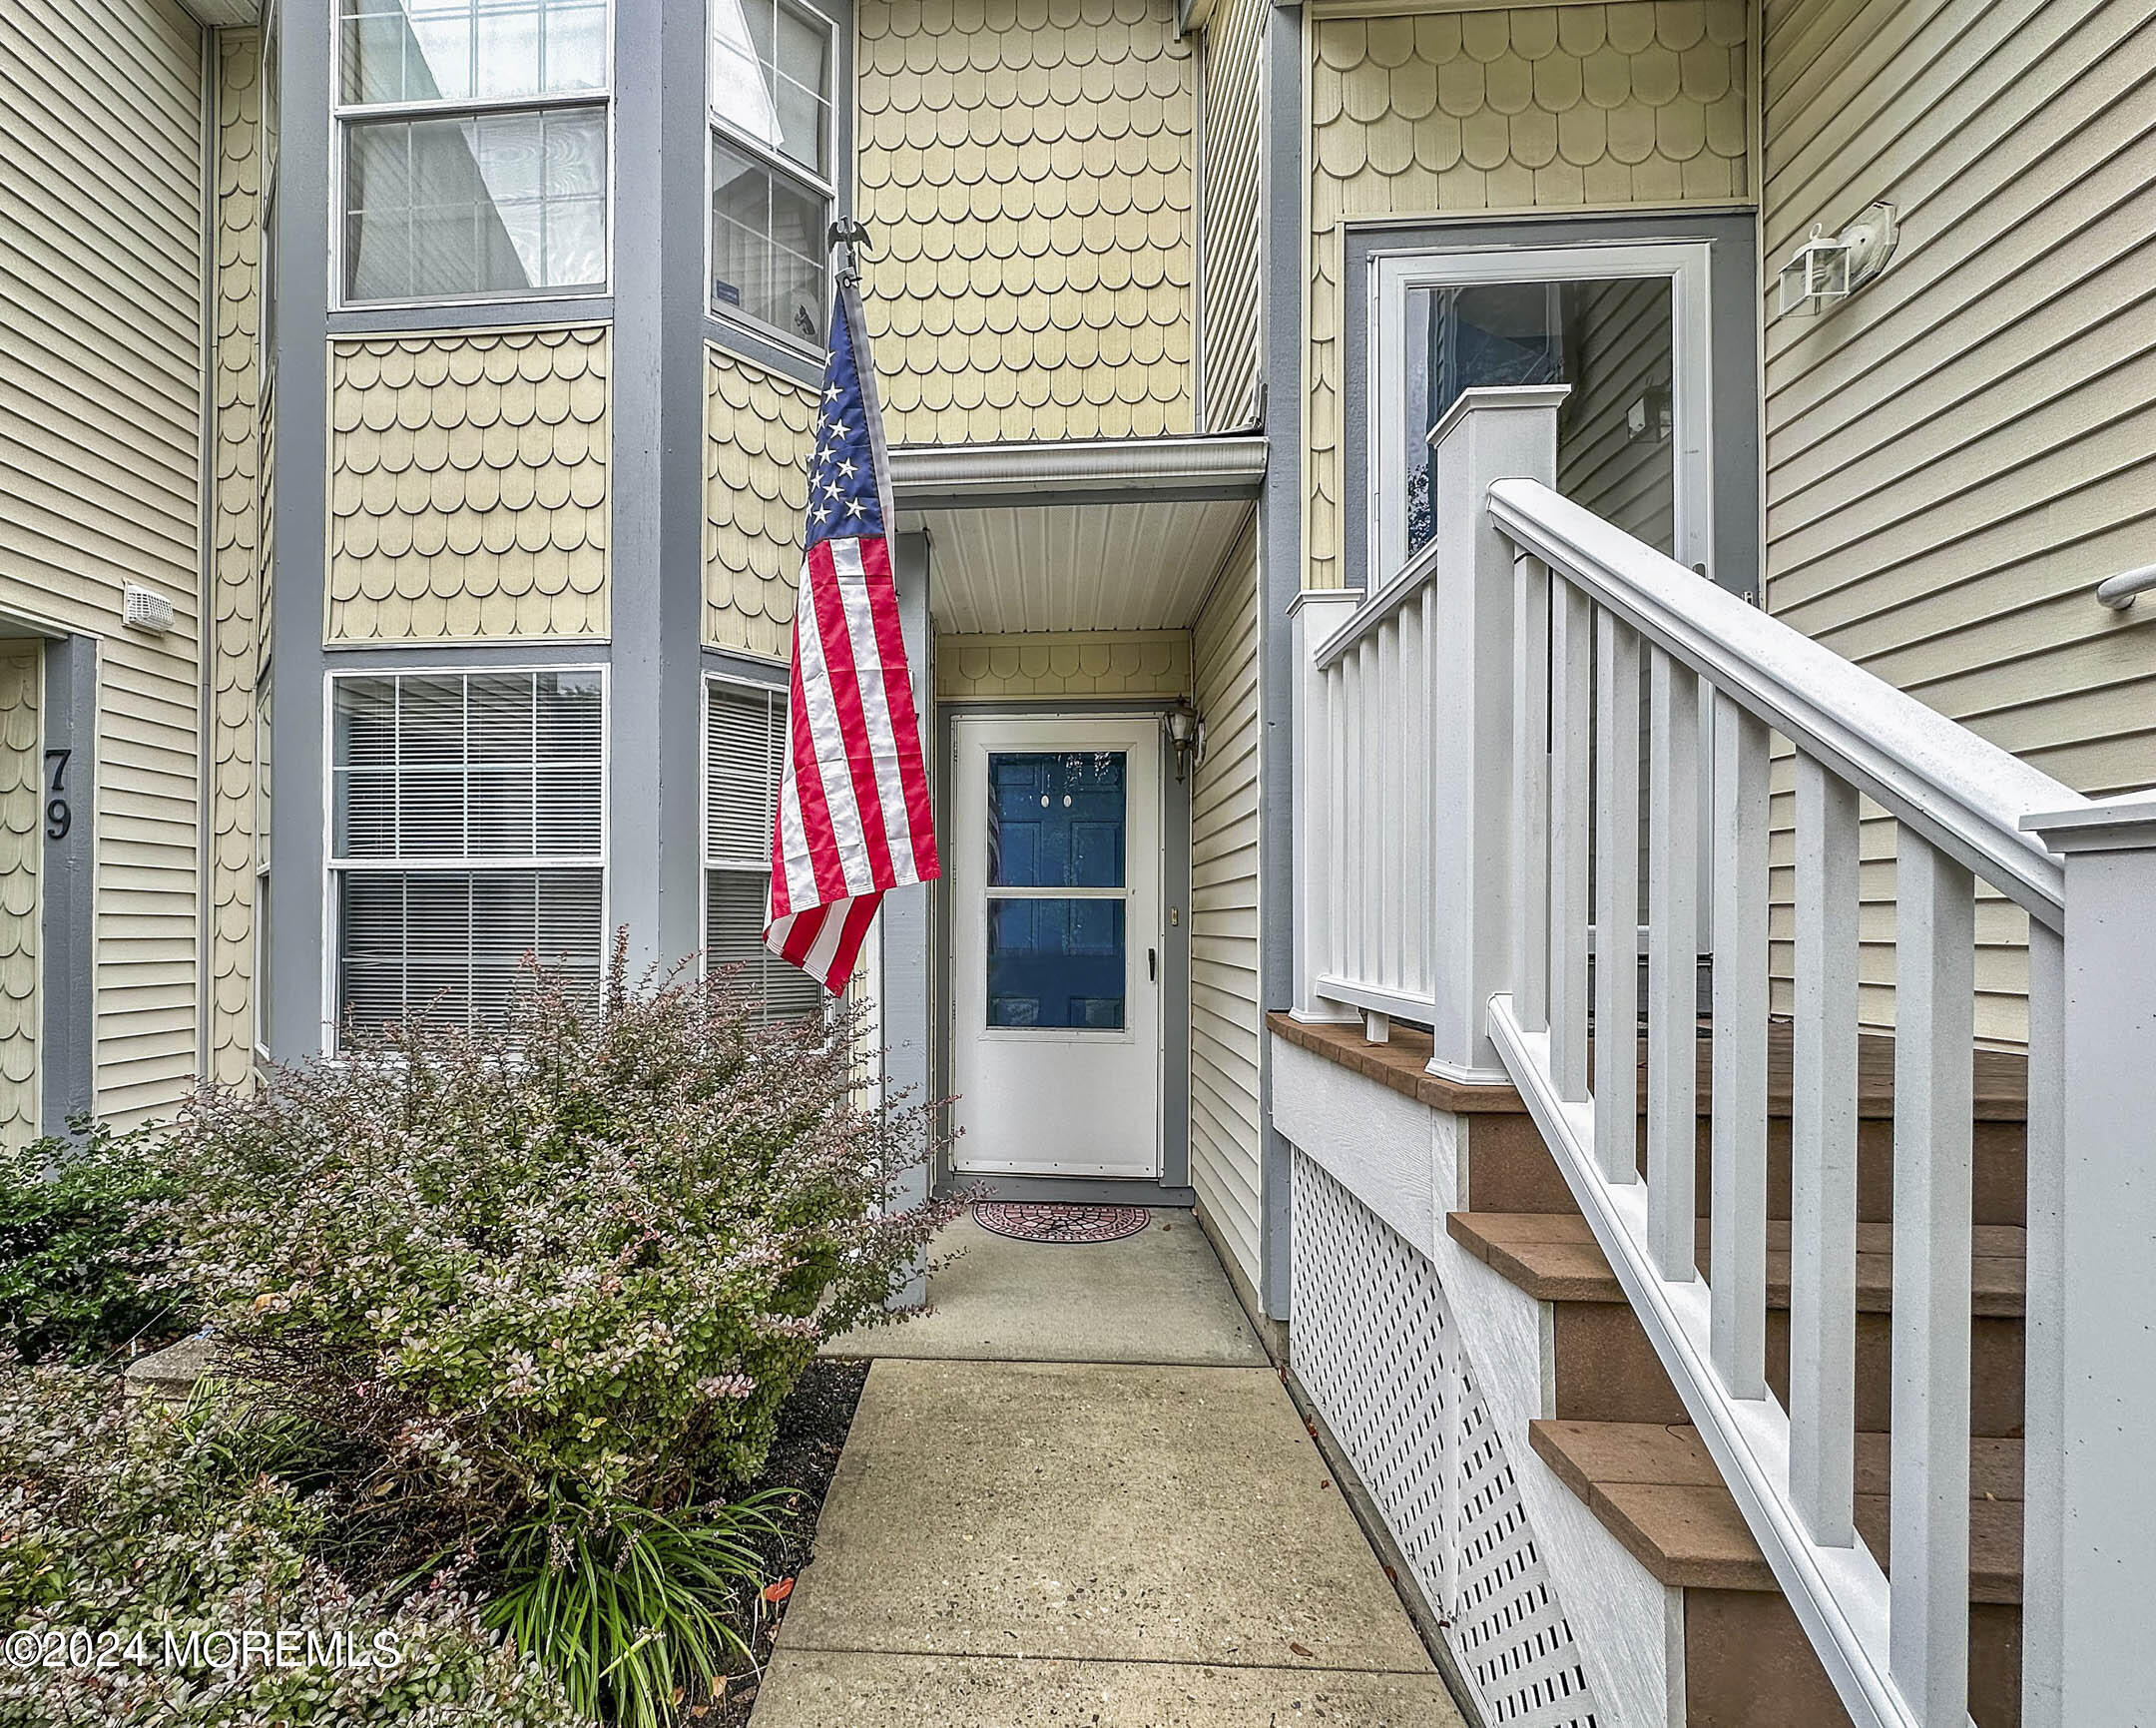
pixel 1184 728
pixel 1829 268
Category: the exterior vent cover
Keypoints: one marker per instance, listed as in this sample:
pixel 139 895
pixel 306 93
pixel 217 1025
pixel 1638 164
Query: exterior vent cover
pixel 141 609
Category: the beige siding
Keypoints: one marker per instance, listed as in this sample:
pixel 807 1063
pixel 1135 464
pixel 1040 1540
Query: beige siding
pixel 1620 356
pixel 1026 168
pixel 1585 107
pixel 1234 150
pixel 1081 663
pixel 100 222
pixel 757 444
pixel 1226 802
pixel 22 843
pixel 235 643
pixel 468 487
pixel 1960 452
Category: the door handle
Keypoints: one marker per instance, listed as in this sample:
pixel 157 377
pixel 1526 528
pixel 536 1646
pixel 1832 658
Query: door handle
pixel 1152 965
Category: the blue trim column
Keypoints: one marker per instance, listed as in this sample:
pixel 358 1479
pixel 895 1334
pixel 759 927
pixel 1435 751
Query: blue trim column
pixel 1279 579
pixel 67 994
pixel 297 927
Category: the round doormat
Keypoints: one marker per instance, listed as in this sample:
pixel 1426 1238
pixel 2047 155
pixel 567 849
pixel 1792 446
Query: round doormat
pixel 1059 1221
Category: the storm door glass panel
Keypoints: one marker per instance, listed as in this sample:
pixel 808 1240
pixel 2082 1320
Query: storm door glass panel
pixel 1056 938
pixel 1612 341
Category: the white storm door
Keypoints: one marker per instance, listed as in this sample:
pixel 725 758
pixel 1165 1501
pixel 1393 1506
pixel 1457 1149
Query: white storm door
pixel 1056 952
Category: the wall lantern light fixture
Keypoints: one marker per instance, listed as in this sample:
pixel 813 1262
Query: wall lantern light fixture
pixel 1184 728
pixel 1829 268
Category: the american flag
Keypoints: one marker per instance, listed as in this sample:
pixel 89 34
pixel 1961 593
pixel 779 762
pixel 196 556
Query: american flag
pixel 854 817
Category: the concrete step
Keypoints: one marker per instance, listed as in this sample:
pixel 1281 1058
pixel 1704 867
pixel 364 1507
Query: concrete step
pixel 1656 1488
pixel 1606 1369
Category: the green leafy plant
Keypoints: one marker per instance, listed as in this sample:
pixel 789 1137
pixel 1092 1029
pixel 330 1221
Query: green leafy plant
pixel 637 1610
pixel 78 1242
pixel 153 1533
pixel 576 1264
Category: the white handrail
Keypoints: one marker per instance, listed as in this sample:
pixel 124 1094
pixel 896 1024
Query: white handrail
pixel 1961 793
pixel 2121 591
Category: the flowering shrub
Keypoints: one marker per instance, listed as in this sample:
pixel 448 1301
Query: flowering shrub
pixel 76 1242
pixel 580 1263
pixel 138 1550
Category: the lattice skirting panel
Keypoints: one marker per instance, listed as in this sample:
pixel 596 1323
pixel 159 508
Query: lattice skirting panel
pixel 1375 1343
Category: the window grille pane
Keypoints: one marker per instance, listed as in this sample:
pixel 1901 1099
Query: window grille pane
pixel 745 732
pixel 771 78
pixel 448 946
pixel 768 248
pixel 477 203
pixel 735 903
pixel 462 50
pixel 491 765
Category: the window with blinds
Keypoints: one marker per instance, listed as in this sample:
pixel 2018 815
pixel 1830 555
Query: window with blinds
pixel 744 749
pixel 467 832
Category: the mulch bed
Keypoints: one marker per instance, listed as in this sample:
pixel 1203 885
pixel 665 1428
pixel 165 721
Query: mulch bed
pixel 813 1426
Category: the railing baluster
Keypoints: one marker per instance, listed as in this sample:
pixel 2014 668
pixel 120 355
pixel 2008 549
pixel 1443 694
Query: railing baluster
pixel 1530 792
pixel 1415 668
pixel 1616 894
pixel 1935 1037
pixel 2043 1493
pixel 1373 797
pixel 1348 900
pixel 1391 801
pixel 1737 1268
pixel 1822 1211
pixel 1571 626
pixel 1673 816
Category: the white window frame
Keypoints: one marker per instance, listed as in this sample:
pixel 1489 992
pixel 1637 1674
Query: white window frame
pixel 709 860
pixel 345 114
pixel 1393 275
pixel 778 162
pixel 333 866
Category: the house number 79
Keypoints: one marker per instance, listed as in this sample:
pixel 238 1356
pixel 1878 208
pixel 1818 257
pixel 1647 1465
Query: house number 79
pixel 58 818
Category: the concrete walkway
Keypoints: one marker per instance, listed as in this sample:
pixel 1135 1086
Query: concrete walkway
pixel 1076 1496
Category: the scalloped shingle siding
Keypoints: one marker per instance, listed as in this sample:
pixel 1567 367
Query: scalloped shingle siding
pixel 756 492
pixel 234 636
pixel 1546 108
pixel 468 487
pixel 1026 169
pixel 1091 662
pixel 21 843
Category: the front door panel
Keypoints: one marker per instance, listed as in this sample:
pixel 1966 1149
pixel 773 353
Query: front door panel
pixel 1056 904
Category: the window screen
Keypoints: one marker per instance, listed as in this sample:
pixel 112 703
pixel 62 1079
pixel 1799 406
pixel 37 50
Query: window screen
pixel 466 833
pixel 746 748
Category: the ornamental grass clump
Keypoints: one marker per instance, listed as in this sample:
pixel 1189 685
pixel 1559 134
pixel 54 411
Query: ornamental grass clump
pixel 553 1272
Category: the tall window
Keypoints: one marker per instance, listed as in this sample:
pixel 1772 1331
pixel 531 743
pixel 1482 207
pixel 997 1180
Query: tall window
pixel 744 749
pixel 474 138
pixel 772 175
pixel 467 830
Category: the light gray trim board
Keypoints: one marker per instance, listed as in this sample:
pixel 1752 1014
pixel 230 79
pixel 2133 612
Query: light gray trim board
pixel 906 926
pixel 753 668
pixel 415 655
pixel 471 316
pixel 296 914
pixel 957 477
pixel 742 339
pixel 1279 579
pixel 67 1034
pixel 1075 1190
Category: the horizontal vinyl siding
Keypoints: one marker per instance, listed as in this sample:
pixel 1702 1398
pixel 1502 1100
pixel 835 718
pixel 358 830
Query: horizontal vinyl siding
pixel 1226 1025
pixel 1957 454
pixel 100 296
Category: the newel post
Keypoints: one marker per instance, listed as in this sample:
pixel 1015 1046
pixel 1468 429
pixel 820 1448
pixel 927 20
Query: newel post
pixel 1312 616
pixel 2091 1493
pixel 1487 435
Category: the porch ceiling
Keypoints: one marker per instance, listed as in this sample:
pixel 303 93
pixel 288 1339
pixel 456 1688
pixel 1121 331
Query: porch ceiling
pixel 1116 566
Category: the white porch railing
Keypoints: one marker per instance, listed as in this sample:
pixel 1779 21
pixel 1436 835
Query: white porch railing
pixel 1471 761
